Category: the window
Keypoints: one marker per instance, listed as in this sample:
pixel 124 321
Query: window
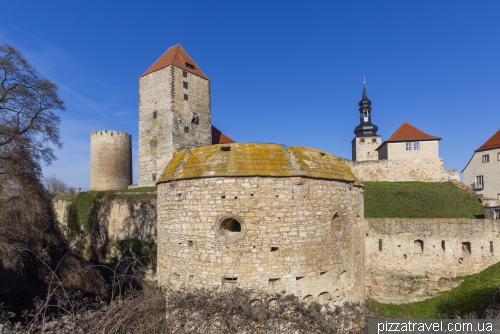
pixel 408 146
pixel 153 176
pixel 486 158
pixel 374 140
pixel 362 140
pixel 190 66
pixel 185 84
pixel 498 156
pixel 185 74
pixel 479 182
pixel 186 98
pixel 416 146
pixel 153 143
pixel 154 114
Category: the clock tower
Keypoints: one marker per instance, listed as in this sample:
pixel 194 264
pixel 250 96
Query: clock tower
pixel 365 143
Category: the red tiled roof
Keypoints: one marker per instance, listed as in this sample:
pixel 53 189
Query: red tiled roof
pixel 493 142
pixel 220 138
pixel 176 56
pixel 407 132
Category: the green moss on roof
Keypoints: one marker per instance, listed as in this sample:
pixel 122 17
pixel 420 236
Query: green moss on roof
pixel 253 159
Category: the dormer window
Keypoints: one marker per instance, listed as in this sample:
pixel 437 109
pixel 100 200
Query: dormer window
pixel 190 66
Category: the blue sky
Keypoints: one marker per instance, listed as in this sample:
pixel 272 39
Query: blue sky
pixel 286 72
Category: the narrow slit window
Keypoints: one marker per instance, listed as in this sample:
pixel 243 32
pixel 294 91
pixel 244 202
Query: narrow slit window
pixel 379 245
pixel 491 246
pixel 185 74
pixel 154 115
pixel 186 97
pixel 443 246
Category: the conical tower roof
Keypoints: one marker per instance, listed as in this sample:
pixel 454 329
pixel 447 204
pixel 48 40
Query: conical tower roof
pixel 177 56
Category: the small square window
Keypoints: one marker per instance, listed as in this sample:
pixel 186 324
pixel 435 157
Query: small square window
pixel 408 146
pixel 362 140
pixel 486 158
pixel 185 74
pixel 153 176
pixel 190 66
pixel 154 114
pixel 185 84
pixel 186 98
pixel 416 146
pixel 374 140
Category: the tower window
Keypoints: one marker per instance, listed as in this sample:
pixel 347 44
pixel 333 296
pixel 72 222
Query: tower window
pixel 408 146
pixel 153 177
pixel 154 114
pixel 185 84
pixel 190 66
pixel 362 140
pixel 416 146
pixel 185 74
pixel 374 140
pixel 486 158
pixel 186 98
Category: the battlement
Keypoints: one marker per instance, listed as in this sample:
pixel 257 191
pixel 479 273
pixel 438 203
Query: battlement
pixel 110 133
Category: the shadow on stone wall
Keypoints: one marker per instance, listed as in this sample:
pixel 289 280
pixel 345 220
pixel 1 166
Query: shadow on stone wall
pixel 141 223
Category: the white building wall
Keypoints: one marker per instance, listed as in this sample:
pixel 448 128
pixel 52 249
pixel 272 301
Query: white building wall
pixel 489 170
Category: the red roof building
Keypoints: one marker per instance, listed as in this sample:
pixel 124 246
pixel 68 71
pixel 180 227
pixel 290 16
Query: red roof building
pixel 409 142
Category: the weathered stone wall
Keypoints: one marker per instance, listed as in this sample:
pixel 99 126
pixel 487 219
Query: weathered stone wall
pixel 122 219
pixel 299 235
pixel 364 148
pixel 406 258
pixel 179 123
pixel 110 160
pixel 426 170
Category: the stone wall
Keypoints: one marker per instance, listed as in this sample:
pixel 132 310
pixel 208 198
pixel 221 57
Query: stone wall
pixel 168 122
pixel 299 235
pixel 122 219
pixel 110 160
pixel 406 259
pixel 426 170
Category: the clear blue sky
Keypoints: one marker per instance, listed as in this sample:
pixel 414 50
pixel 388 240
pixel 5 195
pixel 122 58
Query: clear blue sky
pixel 286 72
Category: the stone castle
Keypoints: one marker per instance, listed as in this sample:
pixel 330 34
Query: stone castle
pixel 278 218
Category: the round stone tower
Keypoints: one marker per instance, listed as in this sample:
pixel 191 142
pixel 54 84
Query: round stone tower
pixel 263 217
pixel 110 160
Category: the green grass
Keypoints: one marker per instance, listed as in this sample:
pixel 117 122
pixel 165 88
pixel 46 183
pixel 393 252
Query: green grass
pixel 136 190
pixel 419 200
pixel 142 250
pixel 474 294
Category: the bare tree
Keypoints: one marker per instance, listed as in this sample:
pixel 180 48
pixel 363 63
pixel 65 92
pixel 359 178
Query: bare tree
pixel 28 122
pixel 54 185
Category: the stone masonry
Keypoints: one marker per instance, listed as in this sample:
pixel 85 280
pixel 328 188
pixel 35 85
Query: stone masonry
pixel 286 231
pixel 174 114
pixel 407 259
pixel 110 160
pixel 425 170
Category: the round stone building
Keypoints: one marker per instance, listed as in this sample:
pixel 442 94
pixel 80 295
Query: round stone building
pixel 110 160
pixel 262 217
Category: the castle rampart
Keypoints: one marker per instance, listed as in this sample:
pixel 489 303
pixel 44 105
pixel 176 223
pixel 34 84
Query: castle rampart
pixel 425 170
pixel 406 258
pixel 110 160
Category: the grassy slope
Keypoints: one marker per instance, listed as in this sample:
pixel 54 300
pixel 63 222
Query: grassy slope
pixel 474 294
pixel 419 200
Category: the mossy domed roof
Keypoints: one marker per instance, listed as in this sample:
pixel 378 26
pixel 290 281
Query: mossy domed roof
pixel 255 159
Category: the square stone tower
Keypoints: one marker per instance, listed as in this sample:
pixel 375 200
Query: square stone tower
pixel 174 112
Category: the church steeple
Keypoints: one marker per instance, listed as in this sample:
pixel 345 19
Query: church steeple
pixel 365 127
